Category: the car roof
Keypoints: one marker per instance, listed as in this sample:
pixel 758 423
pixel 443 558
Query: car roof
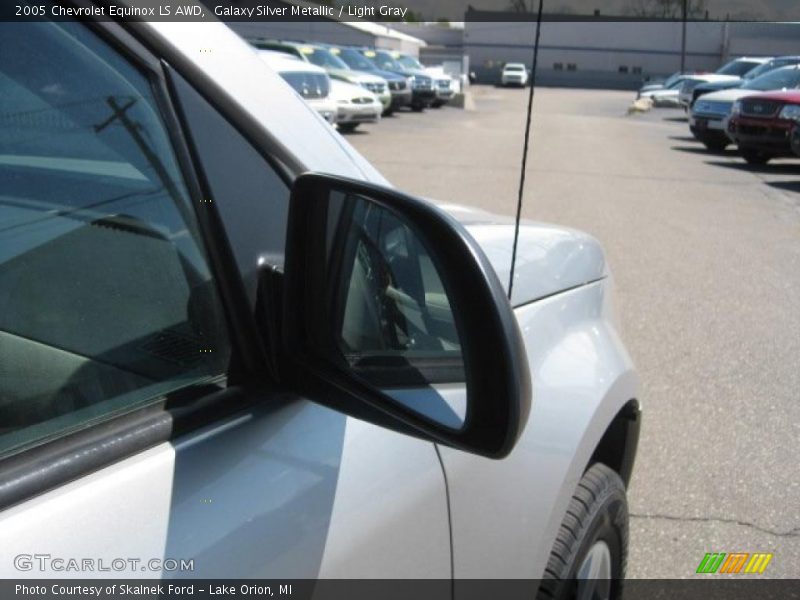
pixel 283 62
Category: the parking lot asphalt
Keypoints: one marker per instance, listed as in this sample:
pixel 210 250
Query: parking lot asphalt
pixel 705 252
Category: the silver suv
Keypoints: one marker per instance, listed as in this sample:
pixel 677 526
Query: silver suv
pixel 228 348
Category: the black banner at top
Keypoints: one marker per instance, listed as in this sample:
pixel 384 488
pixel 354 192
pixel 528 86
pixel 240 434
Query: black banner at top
pixel 389 11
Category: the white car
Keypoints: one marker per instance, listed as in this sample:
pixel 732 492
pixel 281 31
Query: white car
pixel 732 71
pixel 666 97
pixel 312 83
pixel 668 83
pixel 234 350
pixel 354 105
pixel 328 58
pixel 708 116
pixel 514 74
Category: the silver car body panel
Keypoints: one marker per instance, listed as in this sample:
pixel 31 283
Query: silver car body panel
pixel 293 489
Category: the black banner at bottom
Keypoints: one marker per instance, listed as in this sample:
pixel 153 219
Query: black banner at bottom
pixel 728 588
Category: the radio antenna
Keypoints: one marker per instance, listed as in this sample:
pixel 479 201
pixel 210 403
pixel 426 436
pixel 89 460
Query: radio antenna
pixel 525 149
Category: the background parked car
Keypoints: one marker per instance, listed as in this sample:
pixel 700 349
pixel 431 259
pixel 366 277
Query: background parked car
pixel 310 81
pixel 667 83
pixel 770 65
pixel 708 115
pixel 732 71
pixel 666 97
pixel 762 125
pixel 333 65
pixel 514 74
pixel 422 92
pixel 399 85
pixel 444 85
pixel 354 105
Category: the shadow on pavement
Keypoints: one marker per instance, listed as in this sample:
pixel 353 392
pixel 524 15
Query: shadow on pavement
pixel 786 186
pixel 771 168
pixel 700 149
pixel 353 132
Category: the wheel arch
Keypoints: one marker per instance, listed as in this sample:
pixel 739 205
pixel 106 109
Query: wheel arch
pixel 617 447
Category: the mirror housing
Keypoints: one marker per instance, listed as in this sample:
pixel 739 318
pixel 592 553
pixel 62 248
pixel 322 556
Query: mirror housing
pixel 495 366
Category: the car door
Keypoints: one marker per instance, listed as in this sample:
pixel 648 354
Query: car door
pixel 142 430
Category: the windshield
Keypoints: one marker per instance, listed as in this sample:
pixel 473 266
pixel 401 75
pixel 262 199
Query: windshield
pixel 408 62
pixel 738 67
pixel 354 59
pixel 771 66
pixel 308 85
pixel 514 68
pixel 672 79
pixel 786 77
pixel 323 58
pixel 383 60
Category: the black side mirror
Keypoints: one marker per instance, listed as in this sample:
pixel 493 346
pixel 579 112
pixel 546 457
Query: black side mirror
pixel 393 313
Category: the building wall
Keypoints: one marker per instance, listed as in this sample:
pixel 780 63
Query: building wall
pixel 618 54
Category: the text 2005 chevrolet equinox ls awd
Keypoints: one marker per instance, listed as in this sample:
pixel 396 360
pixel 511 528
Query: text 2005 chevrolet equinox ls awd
pixel 224 337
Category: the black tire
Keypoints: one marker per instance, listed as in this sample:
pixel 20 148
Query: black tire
pixel 754 157
pixel 597 512
pixel 388 112
pixel 417 107
pixel 795 140
pixel 347 127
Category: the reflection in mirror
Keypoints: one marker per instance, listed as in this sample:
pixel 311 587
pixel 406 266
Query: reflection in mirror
pixel 392 319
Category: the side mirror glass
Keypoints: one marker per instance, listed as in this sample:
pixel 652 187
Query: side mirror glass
pixel 391 306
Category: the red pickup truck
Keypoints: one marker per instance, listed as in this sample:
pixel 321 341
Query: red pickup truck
pixel 762 125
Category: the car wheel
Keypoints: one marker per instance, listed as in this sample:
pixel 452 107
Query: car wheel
pixel 417 107
pixel 388 112
pixel 347 127
pixel 754 157
pixel 588 558
pixel 437 104
pixel 795 140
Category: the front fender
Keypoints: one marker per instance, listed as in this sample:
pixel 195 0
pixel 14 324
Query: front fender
pixel 506 514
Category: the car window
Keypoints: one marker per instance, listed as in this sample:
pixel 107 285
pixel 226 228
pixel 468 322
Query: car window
pixel 765 68
pixel 409 63
pixel 354 59
pixel 323 58
pixel 786 77
pixel 383 60
pixel 737 67
pixel 106 297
